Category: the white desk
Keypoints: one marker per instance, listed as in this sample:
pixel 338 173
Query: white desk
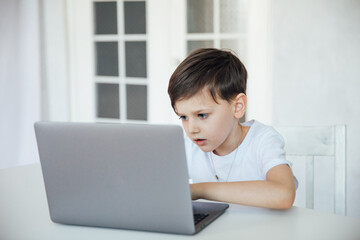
pixel 24 215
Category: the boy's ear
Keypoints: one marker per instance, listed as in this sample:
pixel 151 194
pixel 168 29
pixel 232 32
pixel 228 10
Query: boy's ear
pixel 240 102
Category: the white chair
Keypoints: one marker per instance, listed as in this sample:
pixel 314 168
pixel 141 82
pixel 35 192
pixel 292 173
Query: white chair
pixel 310 142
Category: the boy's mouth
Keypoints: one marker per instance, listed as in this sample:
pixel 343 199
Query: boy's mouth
pixel 200 141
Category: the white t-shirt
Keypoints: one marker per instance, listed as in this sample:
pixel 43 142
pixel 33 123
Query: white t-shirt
pixel 262 149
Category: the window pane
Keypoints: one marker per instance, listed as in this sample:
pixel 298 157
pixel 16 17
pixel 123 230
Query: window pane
pixel 136 100
pixel 105 18
pixel 107 59
pixel 135 55
pixel 233 15
pixel 135 17
pixel 193 45
pixel 237 46
pixel 200 16
pixel 107 100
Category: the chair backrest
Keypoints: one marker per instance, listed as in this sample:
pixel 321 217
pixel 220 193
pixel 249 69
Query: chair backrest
pixel 310 142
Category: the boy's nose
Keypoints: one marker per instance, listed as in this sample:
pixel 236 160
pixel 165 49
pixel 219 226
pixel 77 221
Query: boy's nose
pixel 193 127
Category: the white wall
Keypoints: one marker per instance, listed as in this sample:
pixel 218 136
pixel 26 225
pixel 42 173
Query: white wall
pixel 19 81
pixel 56 88
pixel 160 68
pixel 259 84
pixel 316 73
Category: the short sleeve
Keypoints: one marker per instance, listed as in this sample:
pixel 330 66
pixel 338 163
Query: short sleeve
pixel 271 152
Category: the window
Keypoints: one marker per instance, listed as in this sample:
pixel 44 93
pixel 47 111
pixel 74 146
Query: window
pixel 217 23
pixel 120 54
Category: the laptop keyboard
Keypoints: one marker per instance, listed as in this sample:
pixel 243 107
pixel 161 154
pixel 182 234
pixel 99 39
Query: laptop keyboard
pixel 198 217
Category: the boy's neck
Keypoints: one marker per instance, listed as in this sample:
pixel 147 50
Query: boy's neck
pixel 239 136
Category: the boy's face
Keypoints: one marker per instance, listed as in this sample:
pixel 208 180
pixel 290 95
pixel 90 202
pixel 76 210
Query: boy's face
pixel 212 126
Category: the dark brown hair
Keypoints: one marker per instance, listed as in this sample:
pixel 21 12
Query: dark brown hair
pixel 220 71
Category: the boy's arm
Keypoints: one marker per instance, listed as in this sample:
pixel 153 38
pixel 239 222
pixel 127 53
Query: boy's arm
pixel 277 191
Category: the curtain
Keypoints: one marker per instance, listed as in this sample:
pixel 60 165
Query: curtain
pixel 20 75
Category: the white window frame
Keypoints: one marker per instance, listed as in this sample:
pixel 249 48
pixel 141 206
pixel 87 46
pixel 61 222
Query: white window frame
pixel 122 79
pixel 81 59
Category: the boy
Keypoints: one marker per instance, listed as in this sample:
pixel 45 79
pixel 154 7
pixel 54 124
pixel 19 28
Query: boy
pixel 228 161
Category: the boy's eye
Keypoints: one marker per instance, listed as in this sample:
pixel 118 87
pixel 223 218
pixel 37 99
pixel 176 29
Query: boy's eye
pixel 183 117
pixel 202 115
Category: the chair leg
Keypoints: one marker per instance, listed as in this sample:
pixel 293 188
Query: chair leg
pixel 310 182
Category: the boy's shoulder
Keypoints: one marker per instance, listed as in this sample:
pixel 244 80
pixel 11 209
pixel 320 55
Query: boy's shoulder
pixel 258 127
pixel 259 131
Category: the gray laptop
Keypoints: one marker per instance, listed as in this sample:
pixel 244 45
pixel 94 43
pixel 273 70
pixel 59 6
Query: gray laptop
pixel 128 176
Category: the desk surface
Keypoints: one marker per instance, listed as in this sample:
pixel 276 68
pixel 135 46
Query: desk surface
pixel 24 215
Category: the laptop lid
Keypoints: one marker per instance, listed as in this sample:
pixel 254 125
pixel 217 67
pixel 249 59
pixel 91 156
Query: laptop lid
pixel 129 176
